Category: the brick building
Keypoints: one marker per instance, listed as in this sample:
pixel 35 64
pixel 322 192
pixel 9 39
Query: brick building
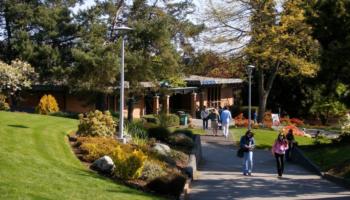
pixel 200 91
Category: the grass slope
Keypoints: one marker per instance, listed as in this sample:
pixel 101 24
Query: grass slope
pixel 265 138
pixel 36 162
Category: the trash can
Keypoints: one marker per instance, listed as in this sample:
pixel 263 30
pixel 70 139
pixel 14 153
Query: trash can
pixel 183 119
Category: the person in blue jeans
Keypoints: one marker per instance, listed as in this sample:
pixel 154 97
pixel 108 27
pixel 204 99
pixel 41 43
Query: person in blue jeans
pixel 247 143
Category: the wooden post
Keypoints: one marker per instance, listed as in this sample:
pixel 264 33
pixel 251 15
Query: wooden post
pixel 156 104
pixel 193 104
pixel 166 104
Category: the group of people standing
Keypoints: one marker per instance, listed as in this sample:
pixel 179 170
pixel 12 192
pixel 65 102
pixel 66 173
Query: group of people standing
pixel 281 147
pixel 220 119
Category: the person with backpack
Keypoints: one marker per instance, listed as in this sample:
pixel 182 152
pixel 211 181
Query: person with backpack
pixel 215 118
pixel 247 143
pixel 278 150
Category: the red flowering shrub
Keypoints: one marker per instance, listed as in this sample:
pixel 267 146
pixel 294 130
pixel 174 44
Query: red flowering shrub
pixel 240 121
pixel 296 130
pixel 267 119
pixel 297 122
pixel 285 121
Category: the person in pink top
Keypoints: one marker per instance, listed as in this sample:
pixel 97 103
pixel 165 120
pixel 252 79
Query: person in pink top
pixel 278 150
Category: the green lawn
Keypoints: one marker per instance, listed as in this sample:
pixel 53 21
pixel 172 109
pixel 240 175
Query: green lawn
pixel 265 138
pixel 36 162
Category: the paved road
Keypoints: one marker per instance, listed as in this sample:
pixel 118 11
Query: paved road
pixel 220 177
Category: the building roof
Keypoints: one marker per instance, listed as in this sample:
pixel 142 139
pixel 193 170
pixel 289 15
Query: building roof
pixel 194 80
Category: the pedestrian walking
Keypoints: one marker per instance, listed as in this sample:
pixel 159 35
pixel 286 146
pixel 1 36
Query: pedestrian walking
pixel 291 141
pixel 204 117
pixel 278 150
pixel 214 118
pixel 256 117
pixel 225 121
pixel 247 143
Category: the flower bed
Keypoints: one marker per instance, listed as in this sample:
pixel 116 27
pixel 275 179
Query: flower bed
pixel 146 161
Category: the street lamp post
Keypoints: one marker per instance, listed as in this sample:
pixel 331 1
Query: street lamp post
pixel 250 71
pixel 123 30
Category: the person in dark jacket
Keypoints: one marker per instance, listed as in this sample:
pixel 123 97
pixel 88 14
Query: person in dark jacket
pixel 247 143
pixel 290 139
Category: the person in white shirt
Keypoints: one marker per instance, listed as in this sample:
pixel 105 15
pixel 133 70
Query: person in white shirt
pixel 204 117
pixel 225 121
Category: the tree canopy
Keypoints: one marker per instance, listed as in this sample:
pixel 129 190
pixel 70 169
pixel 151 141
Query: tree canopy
pixel 81 49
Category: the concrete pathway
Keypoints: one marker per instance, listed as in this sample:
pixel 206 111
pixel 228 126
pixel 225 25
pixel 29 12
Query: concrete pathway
pixel 220 177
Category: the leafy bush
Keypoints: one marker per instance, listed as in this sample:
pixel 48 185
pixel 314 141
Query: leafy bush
pixel 96 147
pixel 343 138
pixel 168 120
pixel 187 132
pixel 47 104
pixel 152 170
pixel 159 133
pixel 172 184
pixel 151 119
pixel 180 158
pixel 3 104
pixel 128 166
pixel 16 76
pixel 96 123
pixel 345 122
pixel 136 129
pixel 181 139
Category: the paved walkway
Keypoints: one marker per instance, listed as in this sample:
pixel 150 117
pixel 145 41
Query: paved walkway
pixel 220 177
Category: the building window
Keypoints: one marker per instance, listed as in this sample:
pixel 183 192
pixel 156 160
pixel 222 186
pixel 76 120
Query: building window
pixel 214 96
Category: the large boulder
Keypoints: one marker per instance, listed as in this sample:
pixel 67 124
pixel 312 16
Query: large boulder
pixel 161 149
pixel 104 164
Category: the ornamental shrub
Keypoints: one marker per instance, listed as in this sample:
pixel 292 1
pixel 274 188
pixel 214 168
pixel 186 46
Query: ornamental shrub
pixel 181 140
pixel 153 169
pixel 96 123
pixel 47 104
pixel 128 166
pixel 159 133
pixel 93 148
pixel 240 121
pixel 168 120
pixel 3 104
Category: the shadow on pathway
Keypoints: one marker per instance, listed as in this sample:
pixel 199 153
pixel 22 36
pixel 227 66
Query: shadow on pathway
pixel 220 177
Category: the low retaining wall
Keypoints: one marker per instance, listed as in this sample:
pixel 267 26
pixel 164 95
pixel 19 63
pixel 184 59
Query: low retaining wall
pixel 191 169
pixel 300 158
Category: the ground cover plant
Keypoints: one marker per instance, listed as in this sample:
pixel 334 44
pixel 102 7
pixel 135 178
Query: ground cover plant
pixel 36 162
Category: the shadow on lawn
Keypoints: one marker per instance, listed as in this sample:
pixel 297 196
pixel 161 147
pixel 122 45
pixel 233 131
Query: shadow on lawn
pixel 17 126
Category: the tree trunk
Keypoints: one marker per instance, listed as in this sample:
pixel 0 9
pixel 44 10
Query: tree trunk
pixel 264 92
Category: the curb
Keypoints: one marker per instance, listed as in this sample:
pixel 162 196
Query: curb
pixel 194 159
pixel 300 158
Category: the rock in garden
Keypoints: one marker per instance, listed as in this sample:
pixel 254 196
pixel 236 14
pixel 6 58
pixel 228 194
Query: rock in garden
pixel 104 164
pixel 162 149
